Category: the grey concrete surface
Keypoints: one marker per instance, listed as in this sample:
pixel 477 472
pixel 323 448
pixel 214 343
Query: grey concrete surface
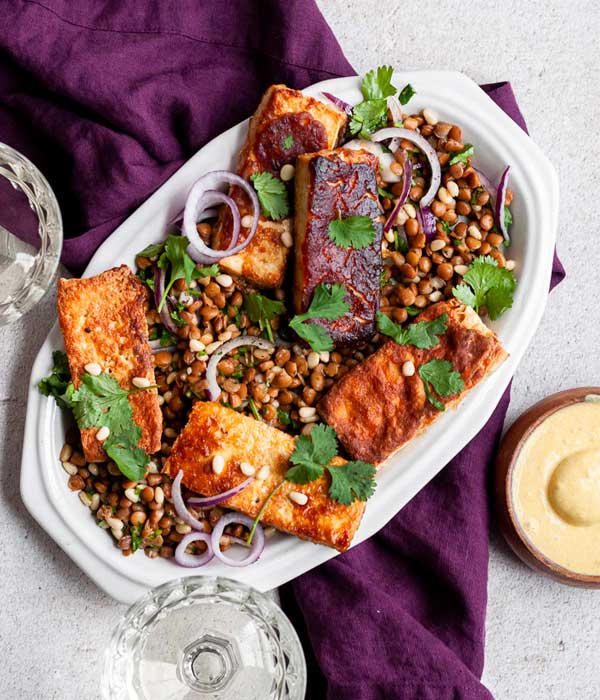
pixel 542 638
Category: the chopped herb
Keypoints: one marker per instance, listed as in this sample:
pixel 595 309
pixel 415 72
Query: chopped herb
pixel 136 537
pixel 446 227
pixel 151 251
pixel 58 382
pixel 327 303
pixel 507 218
pixel 475 195
pixel 254 410
pixel 400 244
pixel 272 195
pixel 463 155
pixel 208 271
pixel 262 310
pixel 406 93
pixel 440 376
pixel 385 193
pixel 456 241
pixel 288 142
pixel 147 277
pixel 352 232
pixel 174 314
pixel 163 335
pixel 486 284
pixel 423 334
pixel 413 310
pixel 102 523
pixel 382 279
pixel 371 114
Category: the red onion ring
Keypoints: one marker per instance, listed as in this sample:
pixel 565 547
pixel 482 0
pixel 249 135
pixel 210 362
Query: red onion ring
pixel 395 108
pixel 214 390
pixel 340 104
pixel 485 181
pixel 406 178
pixel 258 542
pixel 427 220
pixel 194 560
pixel 203 196
pixel 210 501
pixel 500 199
pixel 179 505
pixel 160 276
pixel 427 150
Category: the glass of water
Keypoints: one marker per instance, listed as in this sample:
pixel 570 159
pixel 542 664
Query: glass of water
pixel 31 235
pixel 204 637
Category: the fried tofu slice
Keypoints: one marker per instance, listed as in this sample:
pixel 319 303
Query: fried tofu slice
pixel 329 185
pixel 285 125
pixel 213 429
pixel 375 409
pixel 103 321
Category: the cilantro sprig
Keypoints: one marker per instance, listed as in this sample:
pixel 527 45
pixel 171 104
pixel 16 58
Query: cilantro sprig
pixel 328 304
pixel 439 376
pixel 406 93
pixel 312 458
pixel 423 334
pixel 371 114
pixel 486 284
pixel 262 310
pixel 272 195
pixel 352 231
pixel 463 155
pixel 58 382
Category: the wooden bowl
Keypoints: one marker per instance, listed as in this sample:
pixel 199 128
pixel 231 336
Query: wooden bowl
pixel 506 459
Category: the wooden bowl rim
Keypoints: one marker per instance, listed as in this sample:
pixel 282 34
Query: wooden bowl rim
pixel 525 425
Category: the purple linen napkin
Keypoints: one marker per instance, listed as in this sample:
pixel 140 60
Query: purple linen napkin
pixel 109 99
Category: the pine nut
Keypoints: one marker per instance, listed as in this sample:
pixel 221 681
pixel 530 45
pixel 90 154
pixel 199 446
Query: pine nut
pixel 263 473
pixel 287 172
pixel 430 116
pixel 389 236
pixel 213 346
pixel 93 368
pixel 131 495
pixel 408 368
pixel 93 469
pixel 71 469
pixel 474 232
pixel 66 452
pixel 510 265
pixel 183 529
pixel 410 211
pixel 170 433
pixel 85 499
pixel 247 469
pixel 461 269
pixel 286 239
pixel 95 504
pixel 224 280
pixel 103 433
pixel 324 356
pixel 117 534
pixel 171 377
pixel 114 523
pixel 141 382
pixel 309 419
pixel 307 411
pixel 435 296
pixel 313 360
pixel 247 221
pixel 452 188
pixel 444 196
pixel 196 345
pixel 218 464
pixel 161 400
pixel 437 282
pixel 152 467
pixel 437 244
pixel 296 497
pixel 159 495
pixel 224 337
pixel 401 218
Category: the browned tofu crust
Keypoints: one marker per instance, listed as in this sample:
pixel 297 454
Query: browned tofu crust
pixel 213 429
pixel 375 409
pixel 103 320
pixel 330 184
pixel 286 124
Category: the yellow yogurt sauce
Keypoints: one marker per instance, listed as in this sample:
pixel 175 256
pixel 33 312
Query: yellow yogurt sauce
pixel 556 487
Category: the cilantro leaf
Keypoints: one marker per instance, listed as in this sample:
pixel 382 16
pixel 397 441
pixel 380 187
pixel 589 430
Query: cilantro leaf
pixel 320 447
pixel 351 481
pixel 129 458
pixel 58 382
pixel 487 284
pixel 152 250
pixel 423 334
pixel 316 336
pixel 163 336
pixel 367 117
pixel 272 195
pixel 407 92
pixel 262 310
pixel 376 84
pixel 385 193
pixel 288 142
pixel 440 376
pixel 327 303
pixel 463 155
pixel 352 232
pixel 181 265
pixel 209 271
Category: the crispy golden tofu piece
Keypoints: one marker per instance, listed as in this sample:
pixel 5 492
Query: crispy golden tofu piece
pixel 375 409
pixel 213 429
pixel 103 320
pixel 285 125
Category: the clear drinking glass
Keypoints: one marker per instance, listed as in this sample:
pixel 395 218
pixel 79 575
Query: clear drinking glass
pixel 203 637
pixel 31 235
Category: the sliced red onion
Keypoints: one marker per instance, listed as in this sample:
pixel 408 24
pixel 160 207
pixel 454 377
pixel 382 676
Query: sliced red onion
pixel 160 275
pixel 340 104
pixel 485 181
pixel 428 152
pixel 427 220
pixel 180 509
pixel 500 199
pixel 214 390
pixel 395 108
pixel 194 560
pixel 157 347
pixel 258 542
pixel 210 501
pixel 202 198
pixel 385 159
pixel 406 179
